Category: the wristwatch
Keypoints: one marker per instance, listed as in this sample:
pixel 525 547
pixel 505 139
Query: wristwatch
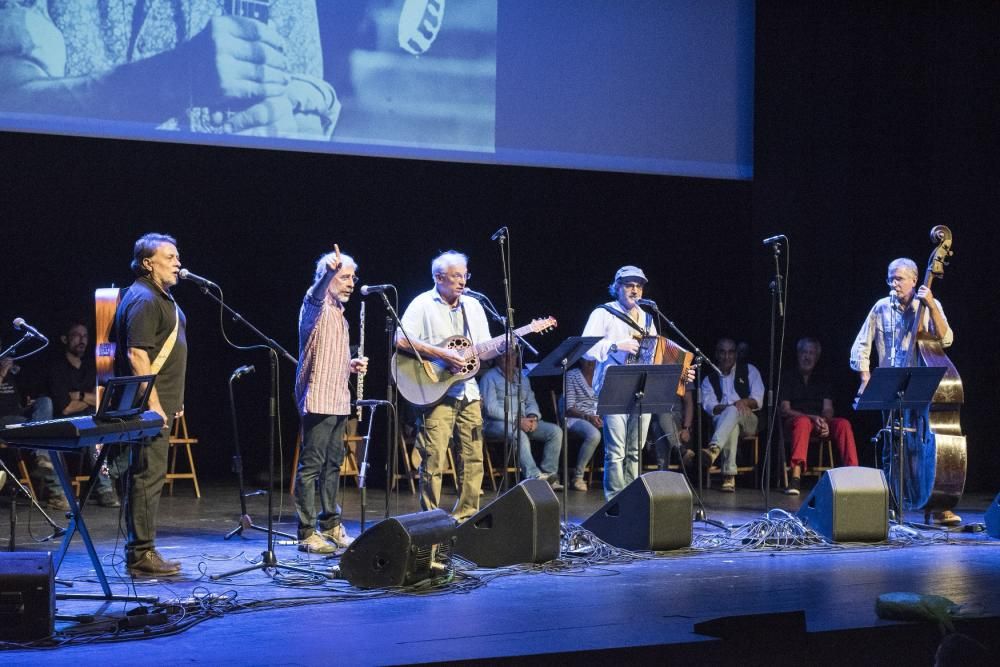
pixel 613 348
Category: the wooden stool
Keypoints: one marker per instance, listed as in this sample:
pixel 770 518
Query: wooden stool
pixel 404 456
pixel 824 445
pixel 349 467
pixel 753 441
pixel 22 469
pixel 179 437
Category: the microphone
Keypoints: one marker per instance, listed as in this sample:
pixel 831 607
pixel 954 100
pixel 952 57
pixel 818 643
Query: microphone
pixel 771 240
pixel 503 231
pixel 478 296
pixel 196 279
pixel 647 302
pixel 375 289
pixel 371 403
pixel 241 371
pixel 21 325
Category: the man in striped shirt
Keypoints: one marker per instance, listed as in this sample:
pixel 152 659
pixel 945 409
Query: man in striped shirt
pixel 324 400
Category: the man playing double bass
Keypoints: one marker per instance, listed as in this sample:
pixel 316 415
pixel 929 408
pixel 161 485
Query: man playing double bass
pixel 889 326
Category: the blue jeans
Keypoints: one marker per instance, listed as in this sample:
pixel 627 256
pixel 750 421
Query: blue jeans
pixel 320 458
pixel 547 433
pixel 591 436
pixel 624 437
pixel 40 410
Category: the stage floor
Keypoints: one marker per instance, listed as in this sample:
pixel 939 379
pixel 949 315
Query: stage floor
pixel 642 607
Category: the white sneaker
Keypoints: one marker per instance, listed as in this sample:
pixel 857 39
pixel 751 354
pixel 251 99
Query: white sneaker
pixel 338 536
pixel 315 544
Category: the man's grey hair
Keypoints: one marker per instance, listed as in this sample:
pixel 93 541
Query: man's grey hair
pixel 906 264
pixel 345 260
pixel 449 258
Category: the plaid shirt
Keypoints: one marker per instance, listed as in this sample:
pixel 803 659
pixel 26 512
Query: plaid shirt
pixel 321 381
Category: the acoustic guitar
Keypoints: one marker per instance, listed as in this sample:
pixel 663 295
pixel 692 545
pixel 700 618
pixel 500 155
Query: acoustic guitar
pixel 426 384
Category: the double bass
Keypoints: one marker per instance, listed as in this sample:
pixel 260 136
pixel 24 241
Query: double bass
pixel 935 446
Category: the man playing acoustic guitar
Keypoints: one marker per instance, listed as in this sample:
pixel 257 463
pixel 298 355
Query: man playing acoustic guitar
pixel 429 320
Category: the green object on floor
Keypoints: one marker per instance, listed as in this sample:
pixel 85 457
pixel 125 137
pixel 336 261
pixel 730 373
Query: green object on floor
pixel 916 607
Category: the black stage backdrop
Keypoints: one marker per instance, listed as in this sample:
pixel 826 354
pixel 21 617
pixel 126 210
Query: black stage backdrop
pixel 872 125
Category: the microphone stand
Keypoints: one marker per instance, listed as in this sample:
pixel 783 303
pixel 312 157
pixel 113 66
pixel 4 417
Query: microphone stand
pixel 245 522
pixel 392 414
pixel 508 394
pixel 57 531
pixel 363 464
pixel 777 311
pixel 510 452
pixel 700 514
pixel 268 560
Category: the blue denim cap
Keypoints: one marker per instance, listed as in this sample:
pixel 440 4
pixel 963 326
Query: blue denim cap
pixel 630 272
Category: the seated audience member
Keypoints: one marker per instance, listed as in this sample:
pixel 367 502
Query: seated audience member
pixel 732 402
pixel 673 433
pixel 806 405
pixel 70 381
pixel 15 408
pixel 582 419
pixel 530 428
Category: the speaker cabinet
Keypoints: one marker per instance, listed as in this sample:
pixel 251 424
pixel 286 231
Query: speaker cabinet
pixel 521 526
pixel 993 518
pixel 400 551
pixel 849 505
pixel 653 512
pixel 27 595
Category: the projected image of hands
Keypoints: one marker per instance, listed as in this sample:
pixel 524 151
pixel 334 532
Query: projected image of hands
pixel 378 73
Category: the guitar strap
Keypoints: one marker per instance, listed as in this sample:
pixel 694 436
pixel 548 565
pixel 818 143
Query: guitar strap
pixel 168 345
pixel 628 320
pixel 465 322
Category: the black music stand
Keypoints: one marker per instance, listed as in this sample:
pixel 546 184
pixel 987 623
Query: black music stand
pixel 557 362
pixel 638 390
pixel 895 390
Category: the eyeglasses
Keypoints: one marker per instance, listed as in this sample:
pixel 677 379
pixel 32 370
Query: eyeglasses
pixel 895 279
pixel 457 276
pixel 355 279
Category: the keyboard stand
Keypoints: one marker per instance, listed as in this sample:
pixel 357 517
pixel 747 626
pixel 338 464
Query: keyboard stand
pixel 76 523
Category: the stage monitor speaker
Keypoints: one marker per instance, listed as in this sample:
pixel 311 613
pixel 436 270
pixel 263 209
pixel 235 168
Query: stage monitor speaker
pixel 521 526
pixel 400 551
pixel 993 518
pixel 849 505
pixel 651 513
pixel 27 595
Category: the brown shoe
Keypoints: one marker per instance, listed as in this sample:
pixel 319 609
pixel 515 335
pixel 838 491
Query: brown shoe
pixel 152 564
pixel 728 484
pixel 709 454
pixel 946 518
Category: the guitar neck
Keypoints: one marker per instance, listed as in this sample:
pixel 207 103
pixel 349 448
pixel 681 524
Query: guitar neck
pixel 494 344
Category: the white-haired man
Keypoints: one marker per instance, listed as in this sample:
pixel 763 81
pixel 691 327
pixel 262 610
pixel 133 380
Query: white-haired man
pixel 889 327
pixel 429 320
pixel 323 396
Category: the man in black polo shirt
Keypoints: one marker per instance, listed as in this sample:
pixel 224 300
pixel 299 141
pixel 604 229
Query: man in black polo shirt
pixel 149 330
pixel 70 381
pixel 806 404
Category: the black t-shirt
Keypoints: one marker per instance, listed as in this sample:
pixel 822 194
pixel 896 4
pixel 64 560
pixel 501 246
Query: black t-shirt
pixel 10 397
pixel 806 398
pixel 145 319
pixel 62 377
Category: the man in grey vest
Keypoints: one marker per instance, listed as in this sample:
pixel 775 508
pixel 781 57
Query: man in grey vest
pixel 732 401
